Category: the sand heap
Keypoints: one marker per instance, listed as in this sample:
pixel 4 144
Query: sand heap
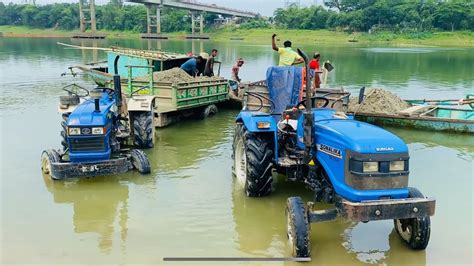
pixel 378 101
pixel 175 75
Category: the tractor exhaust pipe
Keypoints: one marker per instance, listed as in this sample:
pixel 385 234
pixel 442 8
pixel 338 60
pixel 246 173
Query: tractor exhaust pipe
pixel 97 105
pixel 308 114
pixel 117 86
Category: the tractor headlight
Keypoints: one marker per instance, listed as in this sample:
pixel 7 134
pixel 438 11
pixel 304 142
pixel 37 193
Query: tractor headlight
pixel 74 131
pixel 397 166
pixel 368 167
pixel 98 130
pixel 263 125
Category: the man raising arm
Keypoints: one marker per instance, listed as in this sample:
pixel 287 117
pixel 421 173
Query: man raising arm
pixel 288 57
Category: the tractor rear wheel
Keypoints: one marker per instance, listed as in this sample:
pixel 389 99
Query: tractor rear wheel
pixel 140 161
pixel 143 130
pixel 298 227
pixel 48 157
pixel 415 232
pixel 253 155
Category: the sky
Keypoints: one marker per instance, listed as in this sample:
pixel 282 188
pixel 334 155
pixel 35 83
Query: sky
pixel 264 7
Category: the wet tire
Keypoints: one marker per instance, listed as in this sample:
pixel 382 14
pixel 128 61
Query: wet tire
pixel 210 110
pixel 69 100
pixel 64 136
pixel 47 158
pixel 414 232
pixel 140 161
pixel 143 130
pixel 298 228
pixel 253 157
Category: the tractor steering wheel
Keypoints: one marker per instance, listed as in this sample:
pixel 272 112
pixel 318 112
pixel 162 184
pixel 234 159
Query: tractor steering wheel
pixel 313 99
pixel 76 87
pixel 109 91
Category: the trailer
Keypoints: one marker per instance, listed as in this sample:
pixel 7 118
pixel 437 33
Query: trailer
pixel 170 101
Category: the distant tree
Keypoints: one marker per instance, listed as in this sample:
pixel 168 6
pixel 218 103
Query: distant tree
pixel 348 5
pixel 451 15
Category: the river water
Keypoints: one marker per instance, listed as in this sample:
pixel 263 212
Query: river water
pixel 191 205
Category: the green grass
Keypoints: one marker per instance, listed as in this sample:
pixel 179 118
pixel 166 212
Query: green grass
pixel 299 37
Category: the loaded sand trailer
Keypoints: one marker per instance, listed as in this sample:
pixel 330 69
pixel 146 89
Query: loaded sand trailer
pixel 168 97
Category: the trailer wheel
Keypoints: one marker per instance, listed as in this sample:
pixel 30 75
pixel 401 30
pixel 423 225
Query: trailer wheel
pixel 415 232
pixel 143 130
pixel 47 158
pixel 253 155
pixel 140 161
pixel 208 111
pixel 298 227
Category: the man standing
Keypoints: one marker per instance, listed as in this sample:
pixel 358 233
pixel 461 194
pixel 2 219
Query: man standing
pixel 236 68
pixel 314 65
pixel 288 57
pixel 209 69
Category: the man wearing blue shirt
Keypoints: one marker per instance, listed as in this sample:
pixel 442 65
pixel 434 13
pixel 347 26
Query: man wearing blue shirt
pixel 191 66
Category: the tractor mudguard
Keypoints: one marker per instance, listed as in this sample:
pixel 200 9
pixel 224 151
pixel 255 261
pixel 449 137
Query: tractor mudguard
pixel 252 119
pixel 140 103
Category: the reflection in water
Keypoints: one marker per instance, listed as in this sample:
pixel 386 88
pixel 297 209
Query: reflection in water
pixel 462 143
pixel 97 204
pixel 196 139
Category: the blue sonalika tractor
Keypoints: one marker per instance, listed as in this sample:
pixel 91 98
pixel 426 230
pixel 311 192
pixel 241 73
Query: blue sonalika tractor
pixel 361 168
pixel 96 133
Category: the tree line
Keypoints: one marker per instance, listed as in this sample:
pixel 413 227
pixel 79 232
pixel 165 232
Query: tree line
pixel 348 15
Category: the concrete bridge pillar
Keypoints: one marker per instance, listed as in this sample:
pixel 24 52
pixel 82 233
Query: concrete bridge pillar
pixel 87 8
pixel 197 25
pixel 87 17
pixel 153 22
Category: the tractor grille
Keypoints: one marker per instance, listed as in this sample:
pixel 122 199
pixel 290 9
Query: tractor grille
pixel 87 144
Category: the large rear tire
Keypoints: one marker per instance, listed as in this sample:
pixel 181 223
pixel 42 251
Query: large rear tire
pixel 414 232
pixel 298 228
pixel 143 130
pixel 48 157
pixel 253 156
pixel 140 161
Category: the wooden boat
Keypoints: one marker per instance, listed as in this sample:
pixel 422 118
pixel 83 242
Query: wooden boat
pixel 428 117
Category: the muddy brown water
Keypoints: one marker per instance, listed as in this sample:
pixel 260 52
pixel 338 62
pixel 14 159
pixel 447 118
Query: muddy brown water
pixel 191 205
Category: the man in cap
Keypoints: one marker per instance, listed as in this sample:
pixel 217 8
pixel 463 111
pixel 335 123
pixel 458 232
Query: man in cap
pixel 288 56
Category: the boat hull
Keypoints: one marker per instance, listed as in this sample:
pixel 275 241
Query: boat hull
pixel 427 123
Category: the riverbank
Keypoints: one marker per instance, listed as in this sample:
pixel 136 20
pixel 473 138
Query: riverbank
pixel 262 36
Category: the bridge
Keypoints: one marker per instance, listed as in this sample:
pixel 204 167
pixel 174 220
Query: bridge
pixel 154 7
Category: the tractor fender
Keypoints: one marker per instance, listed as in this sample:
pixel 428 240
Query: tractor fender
pixel 250 120
pixel 140 103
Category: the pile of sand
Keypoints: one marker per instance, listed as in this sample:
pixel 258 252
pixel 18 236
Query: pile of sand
pixel 175 75
pixel 378 101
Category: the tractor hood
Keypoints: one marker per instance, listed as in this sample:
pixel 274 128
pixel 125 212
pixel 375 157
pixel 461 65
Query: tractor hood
pixel 85 114
pixel 358 136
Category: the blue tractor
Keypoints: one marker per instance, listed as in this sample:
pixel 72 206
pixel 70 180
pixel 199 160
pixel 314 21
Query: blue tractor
pixel 95 136
pixel 360 168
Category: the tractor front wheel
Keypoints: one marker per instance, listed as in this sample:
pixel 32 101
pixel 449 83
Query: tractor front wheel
pixel 143 130
pixel 415 232
pixel 253 155
pixel 140 161
pixel 48 157
pixel 298 227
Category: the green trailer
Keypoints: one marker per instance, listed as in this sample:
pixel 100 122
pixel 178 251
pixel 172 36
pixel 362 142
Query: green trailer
pixel 168 101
